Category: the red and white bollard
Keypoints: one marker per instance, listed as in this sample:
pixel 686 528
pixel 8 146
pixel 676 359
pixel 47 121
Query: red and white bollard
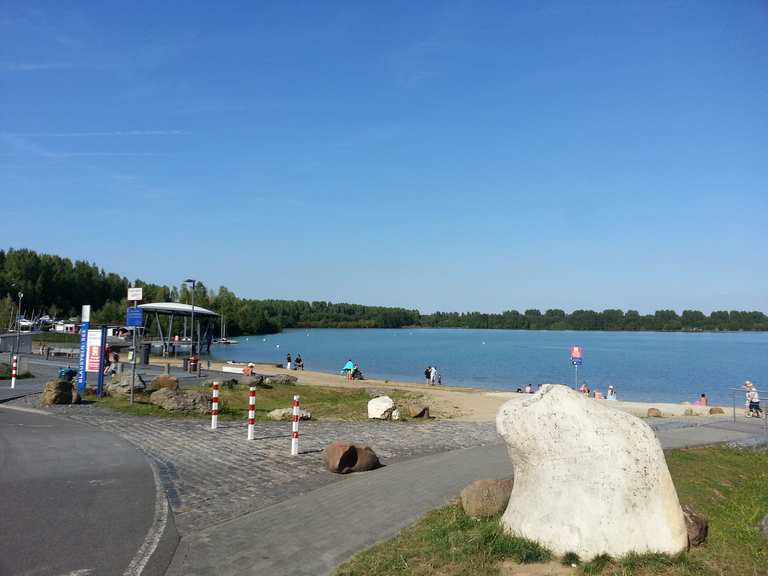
pixel 215 406
pixel 13 371
pixel 251 411
pixel 295 427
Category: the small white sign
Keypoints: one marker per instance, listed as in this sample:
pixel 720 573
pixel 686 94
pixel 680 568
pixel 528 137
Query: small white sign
pixel 135 294
pixel 85 315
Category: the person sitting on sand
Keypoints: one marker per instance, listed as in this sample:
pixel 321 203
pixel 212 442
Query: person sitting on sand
pixel 702 401
pixel 598 395
pixel 611 393
pixel 583 388
pixel 519 391
pixel 528 389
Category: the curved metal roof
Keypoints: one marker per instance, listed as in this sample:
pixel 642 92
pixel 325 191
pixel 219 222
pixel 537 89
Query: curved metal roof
pixel 177 308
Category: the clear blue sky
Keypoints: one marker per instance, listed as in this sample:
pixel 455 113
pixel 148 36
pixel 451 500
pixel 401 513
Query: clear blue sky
pixel 453 156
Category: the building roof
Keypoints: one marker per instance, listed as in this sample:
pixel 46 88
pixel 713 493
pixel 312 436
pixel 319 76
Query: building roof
pixel 177 308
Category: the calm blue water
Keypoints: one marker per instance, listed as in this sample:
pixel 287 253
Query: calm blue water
pixel 643 365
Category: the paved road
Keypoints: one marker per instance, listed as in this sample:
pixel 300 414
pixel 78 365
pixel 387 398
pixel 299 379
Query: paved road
pixel 74 498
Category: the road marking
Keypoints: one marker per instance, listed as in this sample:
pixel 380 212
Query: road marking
pixel 152 539
pixel 81 572
pixel 22 409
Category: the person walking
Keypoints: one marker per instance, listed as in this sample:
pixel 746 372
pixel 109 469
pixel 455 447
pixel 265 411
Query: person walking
pixel 754 403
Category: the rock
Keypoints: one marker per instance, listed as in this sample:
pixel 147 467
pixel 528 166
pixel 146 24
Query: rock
pixel 120 386
pixel 687 412
pixel 170 382
pixel 485 498
pixel 346 457
pixel 395 414
pixel 589 479
pixel 280 379
pixel 381 408
pixel 181 400
pixel 57 392
pixel 376 392
pixel 654 413
pixel 696 524
pixel 287 414
pixel 716 410
pixel 418 411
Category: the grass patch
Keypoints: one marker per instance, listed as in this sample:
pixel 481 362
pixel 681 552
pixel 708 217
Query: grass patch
pixel 324 403
pixel 446 542
pixel 728 486
pixel 5 373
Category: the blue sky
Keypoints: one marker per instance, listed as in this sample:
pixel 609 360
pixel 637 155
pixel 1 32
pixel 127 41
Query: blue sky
pixel 453 156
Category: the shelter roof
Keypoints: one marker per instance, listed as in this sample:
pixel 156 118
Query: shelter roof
pixel 177 308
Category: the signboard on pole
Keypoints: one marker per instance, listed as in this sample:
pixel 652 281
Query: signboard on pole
pixel 102 358
pixel 85 318
pixel 135 294
pixel 93 357
pixel 134 317
pixel 576 355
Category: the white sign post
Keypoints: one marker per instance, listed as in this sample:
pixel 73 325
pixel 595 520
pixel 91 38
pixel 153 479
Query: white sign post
pixel 135 295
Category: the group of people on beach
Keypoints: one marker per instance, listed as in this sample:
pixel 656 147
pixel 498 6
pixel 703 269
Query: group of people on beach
pixel 291 364
pixel 432 375
pixel 597 395
pixel 352 371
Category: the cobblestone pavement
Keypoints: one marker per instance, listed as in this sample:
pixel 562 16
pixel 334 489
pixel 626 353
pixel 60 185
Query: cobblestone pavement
pixel 211 476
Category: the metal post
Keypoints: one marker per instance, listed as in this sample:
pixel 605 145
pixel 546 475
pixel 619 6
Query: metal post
pixel 295 427
pixel 102 358
pixel 733 397
pixel 251 410
pixel 18 326
pixel 14 368
pixel 133 360
pixel 576 375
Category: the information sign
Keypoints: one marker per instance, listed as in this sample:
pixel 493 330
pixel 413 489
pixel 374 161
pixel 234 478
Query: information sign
pixel 135 294
pixel 93 357
pixel 576 355
pixel 134 317
pixel 82 376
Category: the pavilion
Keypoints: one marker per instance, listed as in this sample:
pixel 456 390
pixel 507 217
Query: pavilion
pixel 203 330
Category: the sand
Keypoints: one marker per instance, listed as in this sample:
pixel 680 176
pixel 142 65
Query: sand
pixel 449 402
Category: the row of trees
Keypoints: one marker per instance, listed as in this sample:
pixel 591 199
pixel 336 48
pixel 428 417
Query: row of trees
pixel 59 286
pixel 631 320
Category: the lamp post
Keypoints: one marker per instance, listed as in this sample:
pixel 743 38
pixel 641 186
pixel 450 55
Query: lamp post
pixel 18 324
pixel 193 282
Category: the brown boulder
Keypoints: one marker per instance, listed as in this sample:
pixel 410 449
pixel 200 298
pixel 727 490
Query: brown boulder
pixel 346 457
pixel 278 379
pixel 689 412
pixel 170 382
pixel 716 410
pixel 418 411
pixel 181 401
pixel 697 525
pixel 57 392
pixel 485 498
pixel 654 413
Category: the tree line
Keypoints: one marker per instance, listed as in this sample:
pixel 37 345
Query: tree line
pixel 59 287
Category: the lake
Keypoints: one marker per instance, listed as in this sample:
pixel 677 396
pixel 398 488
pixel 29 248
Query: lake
pixel 650 366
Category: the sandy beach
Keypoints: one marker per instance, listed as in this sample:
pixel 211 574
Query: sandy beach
pixel 455 403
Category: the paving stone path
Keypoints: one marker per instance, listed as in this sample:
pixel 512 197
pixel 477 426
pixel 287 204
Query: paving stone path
pixel 212 476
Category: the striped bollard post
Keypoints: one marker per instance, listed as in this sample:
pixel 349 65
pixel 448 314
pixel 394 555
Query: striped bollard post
pixel 295 427
pixel 215 406
pixel 251 410
pixel 14 365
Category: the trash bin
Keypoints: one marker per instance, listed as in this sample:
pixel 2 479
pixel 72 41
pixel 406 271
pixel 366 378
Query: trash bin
pixel 186 364
pixel 145 354
pixel 193 364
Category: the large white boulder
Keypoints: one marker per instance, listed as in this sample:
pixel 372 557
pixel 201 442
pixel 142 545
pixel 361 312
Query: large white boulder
pixel 589 478
pixel 381 408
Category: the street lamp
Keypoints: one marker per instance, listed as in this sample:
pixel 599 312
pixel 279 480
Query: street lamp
pixel 18 324
pixel 193 282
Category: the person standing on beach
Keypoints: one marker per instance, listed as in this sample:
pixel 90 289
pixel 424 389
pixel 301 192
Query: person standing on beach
pixel 288 361
pixel 428 374
pixel 611 395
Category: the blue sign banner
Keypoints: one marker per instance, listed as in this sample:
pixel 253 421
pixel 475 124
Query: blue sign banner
pixel 81 374
pixel 576 361
pixel 134 317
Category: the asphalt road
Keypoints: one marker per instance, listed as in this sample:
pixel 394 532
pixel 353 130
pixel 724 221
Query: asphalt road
pixel 74 499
